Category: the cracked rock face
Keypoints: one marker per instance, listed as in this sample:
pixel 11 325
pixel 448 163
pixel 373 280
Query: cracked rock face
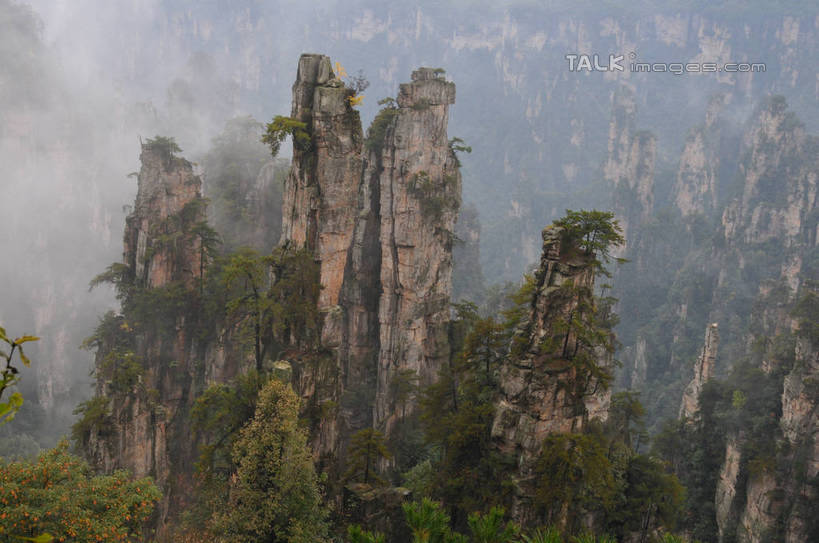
pixel 629 167
pixel 380 220
pixel 321 192
pixel 703 371
pixel 779 169
pixel 535 399
pixel 147 430
pixel 166 185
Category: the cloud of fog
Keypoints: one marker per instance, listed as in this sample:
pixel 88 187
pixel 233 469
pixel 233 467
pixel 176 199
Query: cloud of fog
pixel 81 80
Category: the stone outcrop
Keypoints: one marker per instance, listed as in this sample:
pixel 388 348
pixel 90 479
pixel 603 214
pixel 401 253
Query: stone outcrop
pixel 420 189
pixel 800 427
pixel 380 219
pixel 146 370
pixel 695 186
pixel 467 276
pixel 727 487
pixel 321 192
pixel 541 392
pixel 780 170
pixel 168 194
pixel 703 371
pixel 776 502
pixel 629 166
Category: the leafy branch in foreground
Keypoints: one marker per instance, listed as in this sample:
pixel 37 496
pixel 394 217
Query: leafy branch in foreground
pixel 278 130
pixel 9 375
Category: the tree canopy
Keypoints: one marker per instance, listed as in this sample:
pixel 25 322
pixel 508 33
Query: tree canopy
pixel 57 494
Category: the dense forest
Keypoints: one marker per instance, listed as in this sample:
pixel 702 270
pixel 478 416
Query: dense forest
pixel 315 348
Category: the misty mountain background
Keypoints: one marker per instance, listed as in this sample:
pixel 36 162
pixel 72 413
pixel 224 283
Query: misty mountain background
pixel 81 81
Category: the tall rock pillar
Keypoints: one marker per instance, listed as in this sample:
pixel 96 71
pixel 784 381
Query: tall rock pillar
pixel 703 371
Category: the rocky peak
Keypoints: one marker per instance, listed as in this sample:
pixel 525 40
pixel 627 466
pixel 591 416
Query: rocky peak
pixel 629 166
pixel 703 371
pixel 542 392
pixel 168 199
pixel 778 166
pixel 695 187
pixel 380 220
pixel 320 194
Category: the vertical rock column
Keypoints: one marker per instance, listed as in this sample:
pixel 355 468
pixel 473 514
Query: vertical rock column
pixel 629 168
pixel 149 432
pixel 539 386
pixel 420 192
pixel 166 185
pixel 695 187
pixel 703 371
pixel 321 192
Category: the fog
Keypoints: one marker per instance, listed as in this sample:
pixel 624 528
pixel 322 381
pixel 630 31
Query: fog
pixel 82 80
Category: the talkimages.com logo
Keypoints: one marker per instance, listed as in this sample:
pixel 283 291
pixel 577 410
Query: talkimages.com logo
pixel 617 63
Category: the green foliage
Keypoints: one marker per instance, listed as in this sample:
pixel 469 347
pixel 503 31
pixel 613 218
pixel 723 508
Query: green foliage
pixel 356 534
pixel 122 369
pixel 403 388
pixel 280 128
pixel 58 494
pixel 625 419
pixel 165 146
pixel 367 447
pixel 435 197
pixel 92 416
pixel 377 132
pixel 428 523
pixel 456 415
pixel 596 233
pixel 457 145
pixel 274 495
pixel 274 299
pixel 117 274
pixel 543 535
pixel 158 309
pixel 649 496
pixel 806 312
pixel 574 475
pixel 217 416
pixel 746 406
pixel 491 527
pixel 9 374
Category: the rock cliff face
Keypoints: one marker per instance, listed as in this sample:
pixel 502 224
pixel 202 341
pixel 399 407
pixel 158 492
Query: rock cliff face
pixel 150 365
pixel 321 192
pixel 629 167
pixel 420 190
pixel 695 186
pixel 775 207
pixel 703 371
pixel 777 503
pixel 167 190
pixel 800 426
pixel 381 221
pixel 541 391
pixel 779 169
